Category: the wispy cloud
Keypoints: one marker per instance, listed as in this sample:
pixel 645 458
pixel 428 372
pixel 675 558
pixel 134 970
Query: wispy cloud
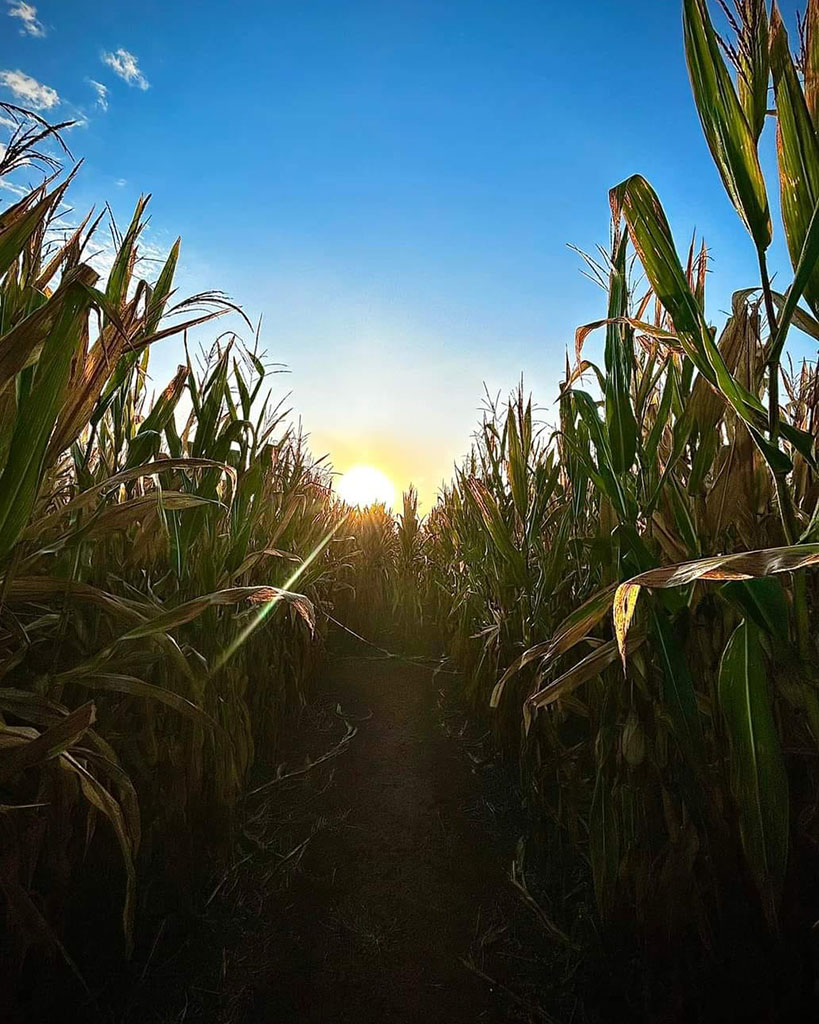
pixel 16 190
pixel 121 182
pixel 102 253
pixel 102 93
pixel 29 91
pixel 126 65
pixel 27 13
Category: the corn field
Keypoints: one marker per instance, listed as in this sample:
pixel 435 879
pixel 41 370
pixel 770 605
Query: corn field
pixel 630 591
pixel 383 583
pixel 162 570
pixel 627 595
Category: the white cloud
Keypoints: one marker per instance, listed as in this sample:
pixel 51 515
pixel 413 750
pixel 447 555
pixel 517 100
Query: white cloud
pixel 121 182
pixel 102 93
pixel 102 252
pixel 29 91
pixel 29 24
pixel 126 66
pixel 16 190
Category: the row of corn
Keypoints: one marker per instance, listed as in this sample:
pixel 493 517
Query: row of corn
pixel 163 566
pixel 631 589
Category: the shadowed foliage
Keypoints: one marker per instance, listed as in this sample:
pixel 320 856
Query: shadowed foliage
pixel 669 740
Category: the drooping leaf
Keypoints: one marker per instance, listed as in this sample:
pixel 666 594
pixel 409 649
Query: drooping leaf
pixel 650 233
pixel 745 565
pixel 570 632
pixel 57 739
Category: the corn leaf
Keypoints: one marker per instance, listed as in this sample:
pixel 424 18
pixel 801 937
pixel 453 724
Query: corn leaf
pixel 54 741
pixel 745 565
pixel 20 479
pixel 650 233
pixel 729 137
pixel 758 779
pixel 621 425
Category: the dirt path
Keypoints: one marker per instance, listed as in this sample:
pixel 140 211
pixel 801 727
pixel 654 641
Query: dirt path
pixel 372 889
pixel 404 878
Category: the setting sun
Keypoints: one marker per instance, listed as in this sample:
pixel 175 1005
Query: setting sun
pixel 366 485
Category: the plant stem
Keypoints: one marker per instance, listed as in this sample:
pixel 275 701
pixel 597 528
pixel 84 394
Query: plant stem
pixel 773 365
pixel 783 494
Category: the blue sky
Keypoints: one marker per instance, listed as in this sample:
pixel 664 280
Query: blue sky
pixel 391 185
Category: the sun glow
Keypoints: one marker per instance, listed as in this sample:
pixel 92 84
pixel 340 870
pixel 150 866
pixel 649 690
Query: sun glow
pixel 366 485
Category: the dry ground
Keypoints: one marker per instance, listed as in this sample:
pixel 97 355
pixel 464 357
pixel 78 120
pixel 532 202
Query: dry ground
pixel 372 888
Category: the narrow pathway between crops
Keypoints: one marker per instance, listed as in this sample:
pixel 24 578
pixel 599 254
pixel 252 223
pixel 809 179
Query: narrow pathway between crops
pixel 405 879
pixel 372 887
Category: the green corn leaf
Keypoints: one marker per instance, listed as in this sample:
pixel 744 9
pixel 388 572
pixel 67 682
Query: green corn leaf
pixel 683 519
pixel 209 413
pixel 758 779
pixel 650 233
pixel 498 529
pixel 762 600
pixel 159 625
pixel 518 467
pixel 729 137
pixel 37 415
pixel 115 682
pixel 739 338
pixel 608 479
pixel 621 424
pixel 745 565
pixel 678 689
pixel 21 346
pixel 604 832
pixel 799 318
pixel 116 290
pixel 145 444
pixel 88 497
pixel 19 222
pixel 806 269
pixel 661 421
pixel 587 668
pixel 571 631
pixel 162 289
